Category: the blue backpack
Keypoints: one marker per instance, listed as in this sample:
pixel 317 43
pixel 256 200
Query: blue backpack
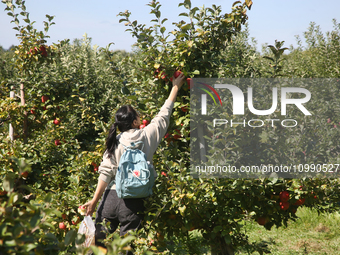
pixel 135 176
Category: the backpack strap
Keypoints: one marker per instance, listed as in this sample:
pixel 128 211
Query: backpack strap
pixel 133 144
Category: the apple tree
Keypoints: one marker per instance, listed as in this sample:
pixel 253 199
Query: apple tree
pixel 215 207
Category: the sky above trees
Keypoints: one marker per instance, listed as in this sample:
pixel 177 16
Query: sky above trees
pixel 268 20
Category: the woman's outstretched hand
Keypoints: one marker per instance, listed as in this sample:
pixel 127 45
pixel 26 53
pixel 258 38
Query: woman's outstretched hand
pixel 179 81
pixel 176 86
pixel 90 207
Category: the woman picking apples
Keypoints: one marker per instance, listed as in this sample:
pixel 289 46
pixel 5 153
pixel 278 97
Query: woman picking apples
pixel 127 212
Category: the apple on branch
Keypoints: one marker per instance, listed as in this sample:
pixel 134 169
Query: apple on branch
pixel 62 226
pixel 56 122
pixel 44 98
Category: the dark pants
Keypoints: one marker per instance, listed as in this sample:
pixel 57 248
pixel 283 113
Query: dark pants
pixel 129 213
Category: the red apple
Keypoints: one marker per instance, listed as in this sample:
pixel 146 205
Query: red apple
pixel 43 51
pixel 301 201
pixel 57 142
pixel 184 109
pixel 64 216
pixel 3 192
pixel 156 72
pixel 284 205
pixel 24 174
pixel 145 122
pixel 177 134
pixel 95 169
pixel 56 122
pixel 329 120
pixel 94 164
pixel 34 51
pixel 76 222
pixel 190 83
pixel 262 220
pixel 44 99
pixel 32 111
pixel 168 137
pixel 62 225
pixel 164 174
pixel 141 126
pixel 284 196
pixel 176 137
pixel 177 73
pixel 164 77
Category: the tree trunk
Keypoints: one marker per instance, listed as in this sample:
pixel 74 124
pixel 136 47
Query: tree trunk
pixel 11 130
pixel 221 248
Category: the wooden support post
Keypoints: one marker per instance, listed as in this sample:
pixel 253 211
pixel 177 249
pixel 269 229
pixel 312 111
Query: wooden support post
pixel 25 127
pixel 11 130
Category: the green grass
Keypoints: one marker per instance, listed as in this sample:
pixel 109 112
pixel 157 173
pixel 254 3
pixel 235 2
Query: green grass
pixel 310 234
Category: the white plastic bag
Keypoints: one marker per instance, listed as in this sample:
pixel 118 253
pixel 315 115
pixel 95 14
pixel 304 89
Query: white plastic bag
pixel 88 229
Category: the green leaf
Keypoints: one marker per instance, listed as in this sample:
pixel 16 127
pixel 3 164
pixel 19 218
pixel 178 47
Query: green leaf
pixel 217 229
pixel 268 58
pixel 125 91
pixel 182 209
pixel 187 4
pixel 49 17
pixel 48 198
pixel 51 237
pixel 30 246
pixel 96 250
pixel 264 137
pixel 11 243
pixel 249 3
pixel 165 19
pixel 80 238
pixel 227 239
pixel 34 221
pixel 183 14
pixel 8 182
pixel 70 237
pixel 237 2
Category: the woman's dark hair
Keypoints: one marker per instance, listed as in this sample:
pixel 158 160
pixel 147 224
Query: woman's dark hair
pixel 124 119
